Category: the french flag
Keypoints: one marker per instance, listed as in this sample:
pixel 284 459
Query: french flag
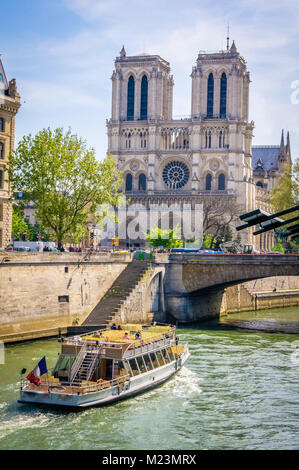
pixel 37 372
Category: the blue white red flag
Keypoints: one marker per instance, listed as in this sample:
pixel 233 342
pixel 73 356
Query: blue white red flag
pixel 38 371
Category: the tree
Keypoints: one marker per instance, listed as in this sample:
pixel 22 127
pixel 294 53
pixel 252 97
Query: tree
pixel 19 224
pixel 218 214
pixel 164 238
pixel 207 242
pixel 61 175
pixel 285 193
pixel 278 247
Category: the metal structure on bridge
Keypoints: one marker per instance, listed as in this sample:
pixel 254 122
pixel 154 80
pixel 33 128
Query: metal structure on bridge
pixel 267 221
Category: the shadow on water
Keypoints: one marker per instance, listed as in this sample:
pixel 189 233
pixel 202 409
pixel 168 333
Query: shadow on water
pixel 267 321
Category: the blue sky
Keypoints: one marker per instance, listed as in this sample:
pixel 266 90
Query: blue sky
pixel 62 54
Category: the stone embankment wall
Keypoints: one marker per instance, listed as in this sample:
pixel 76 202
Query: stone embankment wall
pixel 41 293
pixel 272 292
pixel 146 302
pixel 47 291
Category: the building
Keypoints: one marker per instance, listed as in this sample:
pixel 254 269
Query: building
pixel 9 106
pixel 206 158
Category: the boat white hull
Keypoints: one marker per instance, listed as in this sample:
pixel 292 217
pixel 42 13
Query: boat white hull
pixel 137 384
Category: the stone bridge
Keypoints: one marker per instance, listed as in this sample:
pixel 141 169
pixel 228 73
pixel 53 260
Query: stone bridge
pixel 43 292
pixel 194 284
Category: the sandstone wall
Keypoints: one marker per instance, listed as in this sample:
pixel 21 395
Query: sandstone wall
pixel 43 291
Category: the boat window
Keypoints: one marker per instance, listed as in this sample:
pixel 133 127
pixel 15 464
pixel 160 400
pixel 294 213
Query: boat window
pixel 170 353
pixel 141 364
pixel 148 362
pixel 118 369
pixel 127 368
pixel 154 360
pixel 134 366
pixel 160 358
pixel 63 366
pixel 165 356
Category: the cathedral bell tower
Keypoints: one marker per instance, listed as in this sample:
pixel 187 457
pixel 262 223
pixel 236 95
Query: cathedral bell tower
pixel 141 88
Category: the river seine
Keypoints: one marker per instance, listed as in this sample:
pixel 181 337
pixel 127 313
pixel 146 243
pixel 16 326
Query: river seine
pixel 239 390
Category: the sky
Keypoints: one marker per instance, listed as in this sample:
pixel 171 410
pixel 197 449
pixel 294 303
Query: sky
pixel 62 54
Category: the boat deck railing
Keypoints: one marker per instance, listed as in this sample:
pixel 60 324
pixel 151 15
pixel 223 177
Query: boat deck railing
pixel 137 349
pixel 130 348
pixel 74 388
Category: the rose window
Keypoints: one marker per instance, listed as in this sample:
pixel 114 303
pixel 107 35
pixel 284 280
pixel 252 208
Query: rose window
pixel 175 175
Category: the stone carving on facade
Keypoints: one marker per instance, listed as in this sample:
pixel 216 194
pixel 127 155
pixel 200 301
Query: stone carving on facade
pixel 134 166
pixel 214 165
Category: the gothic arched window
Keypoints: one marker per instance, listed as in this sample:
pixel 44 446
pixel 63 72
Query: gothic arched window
pixel 1 179
pixel 260 184
pixel 142 182
pixel 223 88
pixel 221 182
pixel 208 182
pixel 131 97
pixel 210 140
pixel 210 96
pixel 1 124
pixel 129 182
pixel 143 100
pixel 1 150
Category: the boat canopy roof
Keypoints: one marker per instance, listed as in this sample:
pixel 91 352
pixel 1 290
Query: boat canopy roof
pixel 127 335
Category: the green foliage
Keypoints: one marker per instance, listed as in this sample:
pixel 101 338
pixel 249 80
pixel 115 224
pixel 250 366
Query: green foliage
pixel 62 176
pixel 278 247
pixel 228 236
pixel 19 224
pixel 36 232
pixel 207 241
pixel 285 194
pixel 164 238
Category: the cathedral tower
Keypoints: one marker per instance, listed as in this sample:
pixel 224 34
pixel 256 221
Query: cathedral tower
pixel 194 159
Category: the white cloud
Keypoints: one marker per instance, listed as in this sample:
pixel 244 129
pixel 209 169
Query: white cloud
pixel 55 96
pixel 266 34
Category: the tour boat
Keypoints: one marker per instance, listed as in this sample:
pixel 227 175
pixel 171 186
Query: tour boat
pixel 107 365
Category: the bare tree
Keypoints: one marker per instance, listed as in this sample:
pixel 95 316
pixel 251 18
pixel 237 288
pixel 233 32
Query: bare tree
pixel 219 213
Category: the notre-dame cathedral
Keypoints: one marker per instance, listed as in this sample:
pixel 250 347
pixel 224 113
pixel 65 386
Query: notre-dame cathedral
pixel 208 155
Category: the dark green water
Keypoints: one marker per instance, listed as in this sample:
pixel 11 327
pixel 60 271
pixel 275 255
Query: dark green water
pixel 239 390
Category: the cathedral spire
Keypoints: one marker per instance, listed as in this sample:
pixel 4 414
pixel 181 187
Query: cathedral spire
pixel 282 143
pixel 288 147
pixel 227 38
pixel 123 53
pixel 233 48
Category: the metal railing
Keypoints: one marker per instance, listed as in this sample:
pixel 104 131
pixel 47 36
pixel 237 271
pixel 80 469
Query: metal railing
pixel 74 388
pixel 78 361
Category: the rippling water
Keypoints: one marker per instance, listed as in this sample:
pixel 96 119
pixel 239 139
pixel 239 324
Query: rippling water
pixel 239 390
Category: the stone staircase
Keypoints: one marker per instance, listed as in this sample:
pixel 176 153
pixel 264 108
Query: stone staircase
pixel 109 306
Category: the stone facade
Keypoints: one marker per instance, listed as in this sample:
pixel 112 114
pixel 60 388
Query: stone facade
pixel 9 105
pixel 174 161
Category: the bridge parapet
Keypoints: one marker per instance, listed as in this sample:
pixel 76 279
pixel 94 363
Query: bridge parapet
pixel 188 273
